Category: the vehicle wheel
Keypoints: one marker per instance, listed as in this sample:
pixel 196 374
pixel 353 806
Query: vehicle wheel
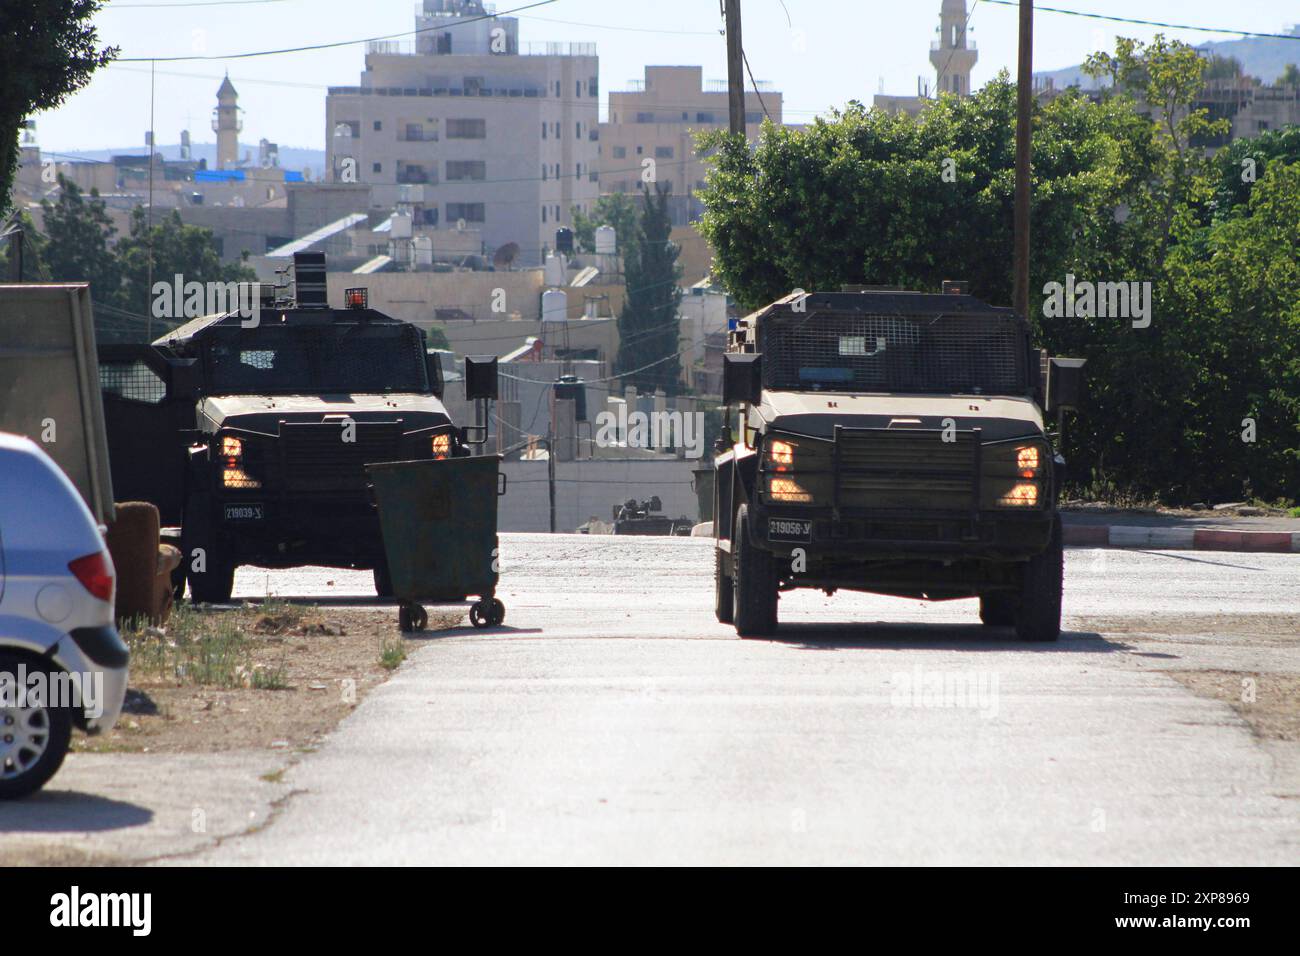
pixel 722 596
pixel 412 618
pixel 754 583
pixel 383 579
pixel 478 615
pixel 34 738
pixel 998 609
pixel 497 613
pixel 1039 616
pixel 214 583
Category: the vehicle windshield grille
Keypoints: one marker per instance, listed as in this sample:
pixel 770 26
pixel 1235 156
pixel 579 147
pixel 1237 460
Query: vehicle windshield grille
pixel 974 354
pixel 316 360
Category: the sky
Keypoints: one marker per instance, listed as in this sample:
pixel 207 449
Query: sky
pixel 819 53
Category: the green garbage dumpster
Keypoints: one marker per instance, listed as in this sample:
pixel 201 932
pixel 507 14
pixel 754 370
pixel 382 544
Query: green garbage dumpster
pixel 439 523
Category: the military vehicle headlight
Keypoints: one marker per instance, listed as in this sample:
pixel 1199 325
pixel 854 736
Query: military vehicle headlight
pixel 236 478
pixel 231 447
pixel 780 454
pixel 1023 494
pixel 1028 461
pixel 441 446
pixel 788 490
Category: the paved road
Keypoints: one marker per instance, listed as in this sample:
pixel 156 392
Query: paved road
pixel 612 721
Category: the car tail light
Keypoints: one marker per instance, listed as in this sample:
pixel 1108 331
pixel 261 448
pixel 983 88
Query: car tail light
pixel 95 574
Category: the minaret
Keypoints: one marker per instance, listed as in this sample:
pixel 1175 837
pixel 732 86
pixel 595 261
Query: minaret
pixel 227 125
pixel 953 59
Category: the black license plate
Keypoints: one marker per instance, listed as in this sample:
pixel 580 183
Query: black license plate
pixel 249 512
pixel 789 529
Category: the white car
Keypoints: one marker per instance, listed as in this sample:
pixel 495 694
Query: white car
pixel 62 662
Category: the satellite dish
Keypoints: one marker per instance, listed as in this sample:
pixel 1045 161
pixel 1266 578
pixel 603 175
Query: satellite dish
pixel 505 255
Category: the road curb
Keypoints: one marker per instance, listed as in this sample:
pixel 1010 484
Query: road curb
pixel 1180 539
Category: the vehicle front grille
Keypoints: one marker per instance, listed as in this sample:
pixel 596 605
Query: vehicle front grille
pixel 317 459
pixel 907 469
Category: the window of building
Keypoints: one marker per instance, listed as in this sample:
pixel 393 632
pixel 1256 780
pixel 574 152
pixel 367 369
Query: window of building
pixel 377 168
pixel 469 211
pixel 544 173
pixel 620 152
pixel 414 132
pixel 557 129
pixel 545 129
pixel 379 125
pixel 545 213
pixel 577 87
pixel 663 152
pixel 593 86
pixel 466 129
pixel 578 172
pixel 753 119
pixel 557 170
pixel 645 117
pixel 685 116
pixel 459 170
pixel 557 88
pixel 472 85
pixel 577 130
pixel 412 173
pixel 640 150
pixel 704 118
pixel 347 129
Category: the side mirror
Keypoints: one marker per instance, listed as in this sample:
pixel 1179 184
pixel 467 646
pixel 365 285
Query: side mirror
pixel 1065 383
pixel 480 377
pixel 433 364
pixel 742 378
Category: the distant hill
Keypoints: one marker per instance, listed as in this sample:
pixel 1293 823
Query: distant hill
pixel 291 157
pixel 1264 57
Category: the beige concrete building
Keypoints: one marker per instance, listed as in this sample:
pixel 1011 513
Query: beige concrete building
pixel 652 126
pixel 486 131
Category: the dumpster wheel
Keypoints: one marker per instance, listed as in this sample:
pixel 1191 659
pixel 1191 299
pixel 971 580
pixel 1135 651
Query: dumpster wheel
pixel 488 612
pixel 412 617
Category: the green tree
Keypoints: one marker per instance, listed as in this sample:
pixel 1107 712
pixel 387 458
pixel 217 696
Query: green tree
pixel 34 268
pixel 79 233
pixel 174 249
pixel 615 209
pixel 1290 76
pixel 648 328
pixel 48 49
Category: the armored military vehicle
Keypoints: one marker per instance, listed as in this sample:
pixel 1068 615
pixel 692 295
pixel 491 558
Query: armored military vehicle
pixel 895 443
pixel 253 436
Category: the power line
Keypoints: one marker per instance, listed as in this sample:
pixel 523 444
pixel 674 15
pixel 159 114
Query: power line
pixel 754 83
pixel 1151 23
pixel 334 45
pixel 197 3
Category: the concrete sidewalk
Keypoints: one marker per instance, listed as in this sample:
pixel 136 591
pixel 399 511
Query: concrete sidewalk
pixel 1167 532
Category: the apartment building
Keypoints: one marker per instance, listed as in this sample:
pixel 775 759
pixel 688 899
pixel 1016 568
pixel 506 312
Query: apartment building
pixel 657 120
pixel 472 127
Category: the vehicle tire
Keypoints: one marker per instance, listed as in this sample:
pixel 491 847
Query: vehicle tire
pixel 33 739
pixel 754 583
pixel 722 596
pixel 214 583
pixel 383 579
pixel 480 615
pixel 1038 617
pixel 998 609
pixel 496 613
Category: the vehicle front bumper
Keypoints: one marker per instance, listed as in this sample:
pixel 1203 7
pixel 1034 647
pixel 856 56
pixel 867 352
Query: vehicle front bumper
pixel 891 535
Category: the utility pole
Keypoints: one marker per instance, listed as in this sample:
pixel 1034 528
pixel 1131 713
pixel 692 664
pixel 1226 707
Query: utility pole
pixel 1025 105
pixel 16 238
pixel 735 68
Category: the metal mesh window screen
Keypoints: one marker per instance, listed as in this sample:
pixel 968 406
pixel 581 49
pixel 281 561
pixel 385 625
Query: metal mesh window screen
pixel 894 353
pixel 333 359
pixel 134 381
